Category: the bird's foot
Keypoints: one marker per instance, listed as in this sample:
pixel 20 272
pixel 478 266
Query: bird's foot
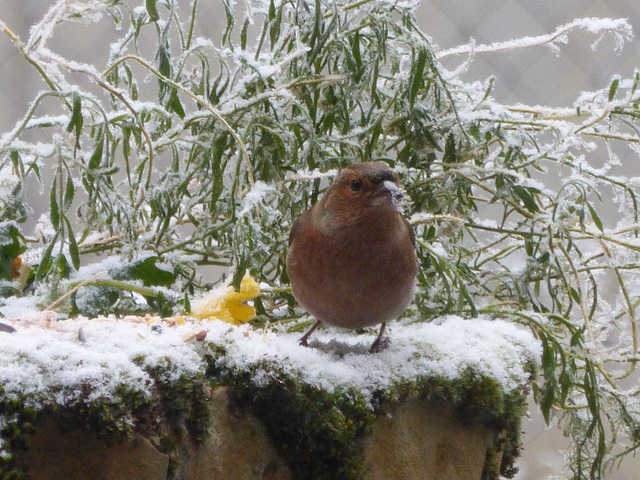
pixel 304 340
pixel 380 344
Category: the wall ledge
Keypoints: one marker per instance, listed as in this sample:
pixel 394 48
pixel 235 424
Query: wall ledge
pixel 145 400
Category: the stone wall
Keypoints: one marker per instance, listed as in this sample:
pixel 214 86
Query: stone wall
pixel 413 440
pixel 127 401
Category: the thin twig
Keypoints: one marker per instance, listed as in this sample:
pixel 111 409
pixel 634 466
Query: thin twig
pixel 74 290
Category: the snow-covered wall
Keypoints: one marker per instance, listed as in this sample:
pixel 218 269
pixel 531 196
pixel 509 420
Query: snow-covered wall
pixel 153 378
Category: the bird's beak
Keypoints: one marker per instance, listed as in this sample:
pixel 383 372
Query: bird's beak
pixel 391 188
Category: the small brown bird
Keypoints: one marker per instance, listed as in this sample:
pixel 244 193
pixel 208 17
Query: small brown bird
pixel 352 258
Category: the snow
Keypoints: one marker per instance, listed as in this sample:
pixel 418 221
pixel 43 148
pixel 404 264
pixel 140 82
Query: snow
pixel 447 349
pixel 21 307
pixel 255 196
pixel 36 362
pixel 50 360
pixel 619 28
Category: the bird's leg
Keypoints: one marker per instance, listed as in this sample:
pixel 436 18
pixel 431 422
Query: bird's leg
pixel 305 337
pixel 380 342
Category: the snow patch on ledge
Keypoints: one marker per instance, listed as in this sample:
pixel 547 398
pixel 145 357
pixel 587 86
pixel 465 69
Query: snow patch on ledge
pixel 492 348
pixel 52 365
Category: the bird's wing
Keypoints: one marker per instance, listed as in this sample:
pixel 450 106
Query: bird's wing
pixel 409 227
pixel 297 226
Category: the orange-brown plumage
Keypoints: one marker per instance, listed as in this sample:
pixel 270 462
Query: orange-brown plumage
pixel 352 260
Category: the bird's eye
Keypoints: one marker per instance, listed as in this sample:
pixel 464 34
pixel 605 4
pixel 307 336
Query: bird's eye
pixel 356 185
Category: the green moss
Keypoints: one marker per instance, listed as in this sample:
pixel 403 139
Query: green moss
pixel 112 420
pixel 180 410
pixel 182 404
pixel 318 433
pixel 176 410
pixel 511 424
pixel 476 400
pixel 17 422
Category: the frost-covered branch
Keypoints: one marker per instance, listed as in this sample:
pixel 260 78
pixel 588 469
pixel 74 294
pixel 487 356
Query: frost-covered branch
pixel 618 28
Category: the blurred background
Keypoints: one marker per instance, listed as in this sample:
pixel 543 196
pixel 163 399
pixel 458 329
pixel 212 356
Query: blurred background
pixel 533 76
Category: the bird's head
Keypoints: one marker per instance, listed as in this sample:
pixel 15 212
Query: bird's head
pixel 363 187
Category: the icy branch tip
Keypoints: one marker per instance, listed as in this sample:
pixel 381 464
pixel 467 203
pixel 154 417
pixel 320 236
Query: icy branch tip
pixel 618 27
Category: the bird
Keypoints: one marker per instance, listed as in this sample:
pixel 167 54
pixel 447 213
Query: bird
pixel 351 260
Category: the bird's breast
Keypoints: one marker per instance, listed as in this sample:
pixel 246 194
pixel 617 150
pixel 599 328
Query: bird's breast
pixel 354 276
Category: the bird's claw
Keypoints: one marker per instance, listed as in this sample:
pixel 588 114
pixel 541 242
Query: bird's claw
pixel 380 344
pixel 303 342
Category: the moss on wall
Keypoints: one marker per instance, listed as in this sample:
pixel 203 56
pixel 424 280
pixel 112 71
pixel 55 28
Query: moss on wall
pixel 319 433
pixel 317 417
pixel 175 410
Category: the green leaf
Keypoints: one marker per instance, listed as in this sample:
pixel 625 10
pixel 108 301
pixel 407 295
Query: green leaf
pixel 54 210
pixel 74 251
pixel 613 88
pixel 565 385
pixel 417 73
pixel 450 152
pixel 549 388
pixel 45 261
pixel 431 140
pixel 63 266
pixel 16 160
pixel 595 217
pixel 174 104
pixel 11 245
pixel 150 274
pixel 164 67
pixel 152 10
pixel 469 299
pixel 69 192
pixel 11 240
pixel 636 81
pixel 76 113
pixel 272 10
pixel 275 17
pixel 528 200
pixel 96 156
pixel 577 337
pixel 487 93
pixel 243 35
pixel 529 246
pixel 430 234
pixel 240 271
pixel 357 57
pixel 186 304
pixel 76 121
pixel 591 389
pixel 230 22
pixel 574 294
